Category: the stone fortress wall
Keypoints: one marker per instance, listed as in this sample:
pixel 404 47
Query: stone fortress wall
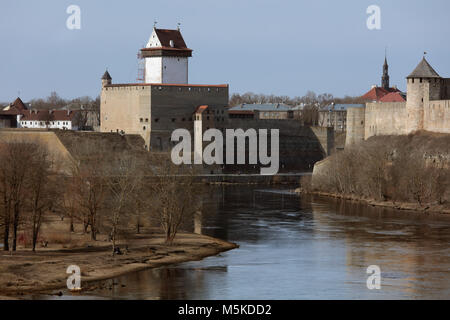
pixel 155 110
pixel 427 108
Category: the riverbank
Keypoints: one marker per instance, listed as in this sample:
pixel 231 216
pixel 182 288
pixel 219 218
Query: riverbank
pixel 427 209
pixel 25 272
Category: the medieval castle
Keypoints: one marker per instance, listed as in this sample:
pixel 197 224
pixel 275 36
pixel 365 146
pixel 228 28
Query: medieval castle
pixel 427 107
pixel 165 101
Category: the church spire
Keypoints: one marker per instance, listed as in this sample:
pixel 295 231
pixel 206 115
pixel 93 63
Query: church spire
pixel 385 77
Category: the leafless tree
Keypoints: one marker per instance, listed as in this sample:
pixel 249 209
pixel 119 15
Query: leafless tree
pixel 175 198
pixel 123 181
pixel 89 185
pixel 43 189
pixel 15 158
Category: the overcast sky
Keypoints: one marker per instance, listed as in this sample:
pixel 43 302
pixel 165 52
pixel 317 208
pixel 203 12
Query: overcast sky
pixel 271 47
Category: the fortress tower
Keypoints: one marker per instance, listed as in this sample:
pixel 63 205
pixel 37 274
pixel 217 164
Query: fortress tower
pixel 423 85
pixel 166 57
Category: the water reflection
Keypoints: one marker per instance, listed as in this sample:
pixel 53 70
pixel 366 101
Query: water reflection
pixel 301 248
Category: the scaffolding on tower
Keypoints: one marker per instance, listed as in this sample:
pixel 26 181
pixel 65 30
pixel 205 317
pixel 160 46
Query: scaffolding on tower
pixel 141 67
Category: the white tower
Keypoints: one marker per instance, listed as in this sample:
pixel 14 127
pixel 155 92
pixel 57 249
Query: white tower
pixel 166 57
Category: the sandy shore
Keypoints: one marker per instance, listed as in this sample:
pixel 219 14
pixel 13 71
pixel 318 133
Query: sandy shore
pixel 427 209
pixel 25 272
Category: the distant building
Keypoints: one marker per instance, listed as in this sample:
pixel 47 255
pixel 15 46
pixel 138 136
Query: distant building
pixel 20 115
pixel 50 119
pixel 278 111
pixel 9 115
pixel 335 116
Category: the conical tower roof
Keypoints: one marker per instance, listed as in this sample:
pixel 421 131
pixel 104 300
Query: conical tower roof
pixel 424 70
pixel 106 76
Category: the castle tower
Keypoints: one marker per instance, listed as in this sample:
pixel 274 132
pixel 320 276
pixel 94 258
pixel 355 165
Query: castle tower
pixel 423 85
pixel 166 57
pixel 385 76
pixel 106 79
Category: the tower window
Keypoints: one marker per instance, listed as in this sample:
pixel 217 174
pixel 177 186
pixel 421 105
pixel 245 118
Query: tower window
pixel 141 120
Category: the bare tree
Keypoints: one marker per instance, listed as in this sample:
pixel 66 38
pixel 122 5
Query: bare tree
pixel 42 190
pixel 89 185
pixel 123 180
pixel 175 198
pixel 14 170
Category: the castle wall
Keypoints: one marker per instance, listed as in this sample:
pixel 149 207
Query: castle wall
pixel 437 116
pixel 355 125
pixel 126 108
pixel 173 107
pixel 445 89
pixel 386 118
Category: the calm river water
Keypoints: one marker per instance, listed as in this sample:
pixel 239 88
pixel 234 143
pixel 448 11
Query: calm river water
pixel 302 248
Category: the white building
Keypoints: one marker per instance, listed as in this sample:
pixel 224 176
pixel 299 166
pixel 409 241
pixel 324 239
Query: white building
pixel 48 119
pixel 166 57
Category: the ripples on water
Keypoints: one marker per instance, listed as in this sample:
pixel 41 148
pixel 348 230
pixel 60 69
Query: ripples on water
pixel 302 248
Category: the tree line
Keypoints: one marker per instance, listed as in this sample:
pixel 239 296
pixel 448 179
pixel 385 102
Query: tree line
pixel 411 169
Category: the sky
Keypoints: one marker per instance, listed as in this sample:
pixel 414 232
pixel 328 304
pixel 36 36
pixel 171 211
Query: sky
pixel 272 47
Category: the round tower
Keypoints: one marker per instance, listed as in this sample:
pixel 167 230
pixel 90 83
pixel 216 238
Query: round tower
pixel 423 85
pixel 106 79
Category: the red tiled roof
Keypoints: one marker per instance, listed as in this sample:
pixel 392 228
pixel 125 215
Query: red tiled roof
pixel 167 85
pixel 48 115
pixel 200 109
pixel 165 35
pixel 15 108
pixel 19 105
pixel 376 93
pixel 393 97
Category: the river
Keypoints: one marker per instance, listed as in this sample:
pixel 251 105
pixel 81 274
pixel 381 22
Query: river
pixel 294 247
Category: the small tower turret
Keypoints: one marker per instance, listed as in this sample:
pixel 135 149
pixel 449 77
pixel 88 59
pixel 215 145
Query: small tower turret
pixel 106 79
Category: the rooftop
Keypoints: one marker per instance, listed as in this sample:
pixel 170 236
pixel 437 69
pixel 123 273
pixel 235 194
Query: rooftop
pixel 48 115
pixel 166 85
pixel 342 107
pixel 424 70
pixel 264 107
pixel 393 97
pixel 376 93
